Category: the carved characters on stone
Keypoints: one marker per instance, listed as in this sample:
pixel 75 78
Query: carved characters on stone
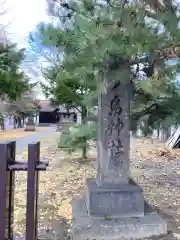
pixel 115 123
pixel 115 126
pixel 115 147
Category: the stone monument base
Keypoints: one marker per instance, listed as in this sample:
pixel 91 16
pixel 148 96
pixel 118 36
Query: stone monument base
pixel 85 227
pixel 59 128
pixel 114 199
pixel 30 128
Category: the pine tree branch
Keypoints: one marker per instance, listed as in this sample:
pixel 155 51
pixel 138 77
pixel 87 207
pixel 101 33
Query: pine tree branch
pixel 151 14
pixel 147 110
pixel 121 5
pixel 97 20
pixel 167 52
pixel 78 109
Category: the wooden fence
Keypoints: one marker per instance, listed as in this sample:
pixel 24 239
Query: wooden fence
pixel 8 168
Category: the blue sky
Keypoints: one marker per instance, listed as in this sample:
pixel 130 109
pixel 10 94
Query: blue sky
pixel 22 16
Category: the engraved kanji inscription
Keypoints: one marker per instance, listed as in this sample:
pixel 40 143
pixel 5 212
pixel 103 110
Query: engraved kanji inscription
pixel 115 147
pixel 115 124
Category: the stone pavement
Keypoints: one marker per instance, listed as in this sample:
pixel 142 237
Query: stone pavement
pixel 22 143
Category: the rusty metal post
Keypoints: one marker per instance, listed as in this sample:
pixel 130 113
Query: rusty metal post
pixel 7 182
pixel 32 191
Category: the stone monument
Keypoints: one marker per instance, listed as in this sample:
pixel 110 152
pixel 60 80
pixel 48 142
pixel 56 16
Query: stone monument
pixel 59 127
pixel 30 125
pixel 113 205
pixel 63 126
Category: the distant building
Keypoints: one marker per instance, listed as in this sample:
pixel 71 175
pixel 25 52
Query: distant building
pixel 47 112
pixel 50 113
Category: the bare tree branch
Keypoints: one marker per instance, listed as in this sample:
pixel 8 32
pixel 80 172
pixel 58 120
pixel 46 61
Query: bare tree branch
pixel 3 11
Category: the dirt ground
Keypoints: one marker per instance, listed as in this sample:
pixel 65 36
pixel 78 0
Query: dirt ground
pixel 154 168
pixel 17 133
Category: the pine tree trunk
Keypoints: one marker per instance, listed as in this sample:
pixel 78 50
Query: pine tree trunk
pixel 23 121
pixel 145 122
pixel 84 119
pixel 14 122
pixel 19 123
pixel 158 132
pixel 2 124
pixel 84 152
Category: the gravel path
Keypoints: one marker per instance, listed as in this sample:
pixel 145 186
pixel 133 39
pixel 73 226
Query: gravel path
pixel 22 143
pixel 48 148
pixel 155 169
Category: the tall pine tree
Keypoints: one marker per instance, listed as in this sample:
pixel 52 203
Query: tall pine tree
pixel 13 81
pixel 98 39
